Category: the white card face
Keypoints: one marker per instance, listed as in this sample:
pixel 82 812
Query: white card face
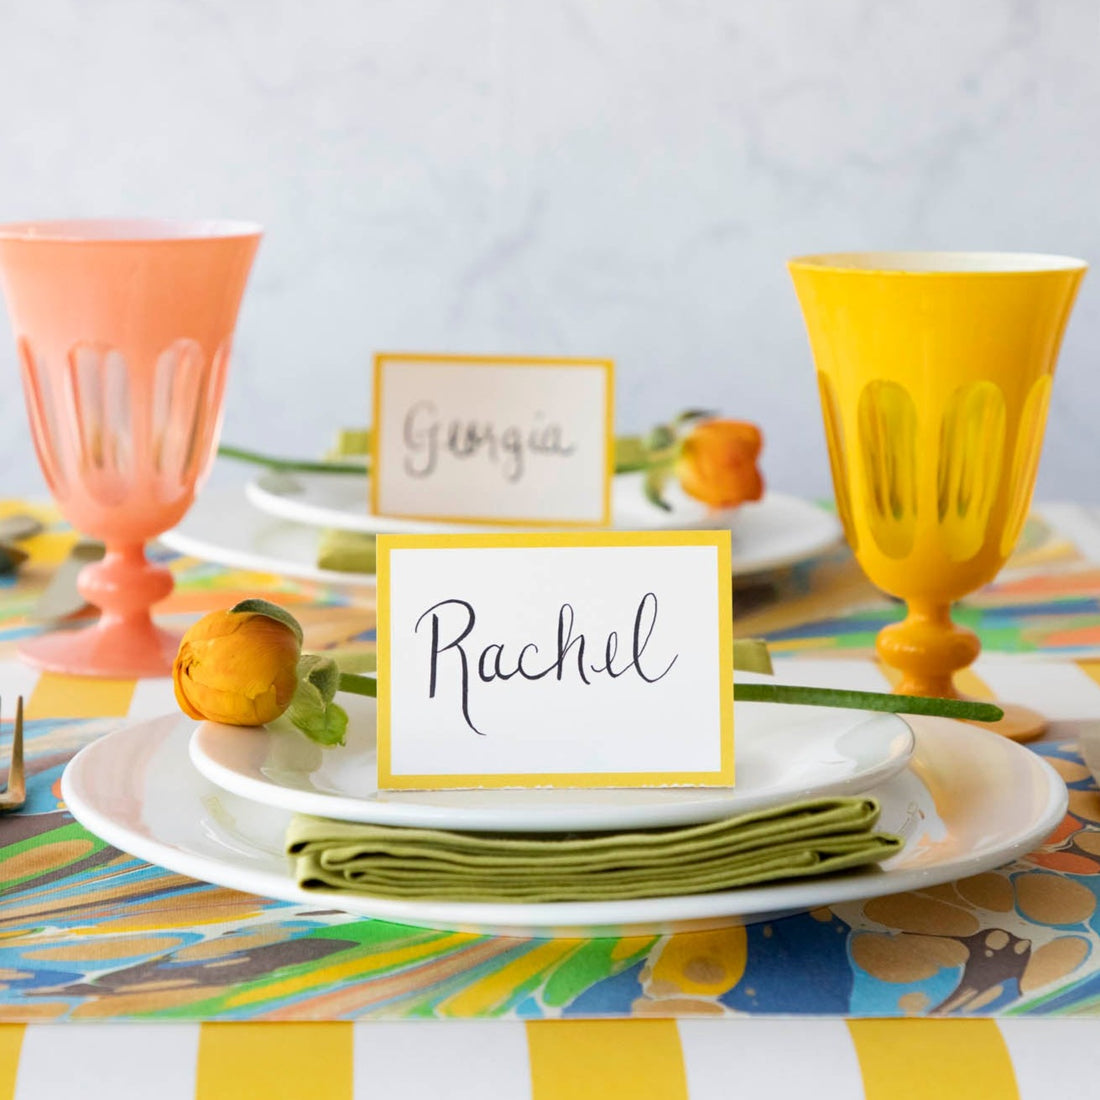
pixel 564 660
pixel 510 441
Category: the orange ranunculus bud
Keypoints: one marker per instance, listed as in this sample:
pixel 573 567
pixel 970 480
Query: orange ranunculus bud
pixel 717 463
pixel 237 667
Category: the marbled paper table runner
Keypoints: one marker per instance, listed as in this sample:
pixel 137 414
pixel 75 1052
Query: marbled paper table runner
pixel 89 933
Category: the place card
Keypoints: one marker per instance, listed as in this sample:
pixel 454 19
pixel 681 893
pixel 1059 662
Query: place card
pixel 571 659
pixel 493 439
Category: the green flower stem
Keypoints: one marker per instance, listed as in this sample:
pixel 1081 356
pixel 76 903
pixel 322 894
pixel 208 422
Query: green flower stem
pixel 869 700
pixel 803 696
pixel 290 465
pixel 356 684
pixel 301 466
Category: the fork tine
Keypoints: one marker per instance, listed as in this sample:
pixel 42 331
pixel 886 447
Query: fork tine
pixel 15 794
pixel 15 773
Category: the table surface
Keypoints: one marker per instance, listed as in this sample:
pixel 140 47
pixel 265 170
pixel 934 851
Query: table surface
pixel 88 933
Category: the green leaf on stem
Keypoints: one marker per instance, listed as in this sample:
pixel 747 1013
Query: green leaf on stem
pixel 751 655
pixel 269 610
pixel 312 709
pixel 654 486
pixel 322 672
pixel 688 415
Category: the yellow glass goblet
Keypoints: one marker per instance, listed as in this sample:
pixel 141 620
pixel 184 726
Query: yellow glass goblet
pixel 934 371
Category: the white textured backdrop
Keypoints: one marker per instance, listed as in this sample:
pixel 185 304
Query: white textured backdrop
pixel 596 177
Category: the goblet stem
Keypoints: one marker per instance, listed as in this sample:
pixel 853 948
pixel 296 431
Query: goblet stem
pixel 124 643
pixel 928 649
pixel 125 584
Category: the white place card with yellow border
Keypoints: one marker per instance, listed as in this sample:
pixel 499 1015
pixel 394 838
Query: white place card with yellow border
pixel 493 439
pixel 569 659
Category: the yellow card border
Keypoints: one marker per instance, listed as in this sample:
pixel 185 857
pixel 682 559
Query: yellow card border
pixel 720 540
pixel 608 365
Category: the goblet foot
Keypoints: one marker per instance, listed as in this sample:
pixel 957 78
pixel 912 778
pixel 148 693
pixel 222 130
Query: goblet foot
pixel 927 648
pixel 124 643
pixel 1020 723
pixel 119 648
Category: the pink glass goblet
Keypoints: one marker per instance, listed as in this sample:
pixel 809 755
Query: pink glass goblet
pixel 123 331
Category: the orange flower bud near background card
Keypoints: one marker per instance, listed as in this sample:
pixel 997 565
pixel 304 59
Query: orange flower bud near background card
pixel 717 463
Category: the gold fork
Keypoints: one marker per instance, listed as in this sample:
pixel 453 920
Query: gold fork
pixel 15 793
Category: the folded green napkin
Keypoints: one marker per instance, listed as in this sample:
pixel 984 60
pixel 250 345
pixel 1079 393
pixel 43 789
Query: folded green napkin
pixel 351 443
pixel 346 551
pixel 794 841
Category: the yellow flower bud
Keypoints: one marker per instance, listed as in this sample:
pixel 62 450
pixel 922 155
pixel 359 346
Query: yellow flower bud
pixel 717 463
pixel 237 667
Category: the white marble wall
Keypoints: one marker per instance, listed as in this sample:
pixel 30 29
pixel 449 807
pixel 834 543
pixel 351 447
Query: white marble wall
pixel 598 177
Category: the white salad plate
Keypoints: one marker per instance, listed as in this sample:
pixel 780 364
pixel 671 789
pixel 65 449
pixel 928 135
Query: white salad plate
pixel 783 753
pixel 221 528
pixel 968 802
pixel 768 534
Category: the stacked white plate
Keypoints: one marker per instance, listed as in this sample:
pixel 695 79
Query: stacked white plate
pixel 213 802
pixel 279 529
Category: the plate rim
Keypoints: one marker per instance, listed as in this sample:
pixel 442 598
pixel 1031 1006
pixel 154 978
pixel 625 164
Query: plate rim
pixel 183 540
pixel 587 819
pixel 312 515
pixel 286 506
pixel 575 919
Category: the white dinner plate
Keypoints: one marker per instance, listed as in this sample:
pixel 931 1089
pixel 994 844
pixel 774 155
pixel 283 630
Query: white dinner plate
pixel 783 753
pixel 767 534
pixel 969 801
pixel 222 528
pixel 777 532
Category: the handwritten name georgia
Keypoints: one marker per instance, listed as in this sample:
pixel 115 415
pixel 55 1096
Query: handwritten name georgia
pixel 427 436
pixel 452 621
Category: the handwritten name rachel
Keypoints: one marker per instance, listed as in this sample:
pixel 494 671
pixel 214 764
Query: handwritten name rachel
pixel 452 621
pixel 427 437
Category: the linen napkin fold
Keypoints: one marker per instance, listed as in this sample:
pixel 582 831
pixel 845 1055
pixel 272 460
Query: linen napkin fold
pixel 797 840
pixel 348 551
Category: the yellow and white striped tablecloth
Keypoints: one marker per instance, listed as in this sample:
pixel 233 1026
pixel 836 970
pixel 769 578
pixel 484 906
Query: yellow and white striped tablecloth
pixel 781 1059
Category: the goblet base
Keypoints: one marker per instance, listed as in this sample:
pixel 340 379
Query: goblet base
pixel 122 649
pixel 1019 723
